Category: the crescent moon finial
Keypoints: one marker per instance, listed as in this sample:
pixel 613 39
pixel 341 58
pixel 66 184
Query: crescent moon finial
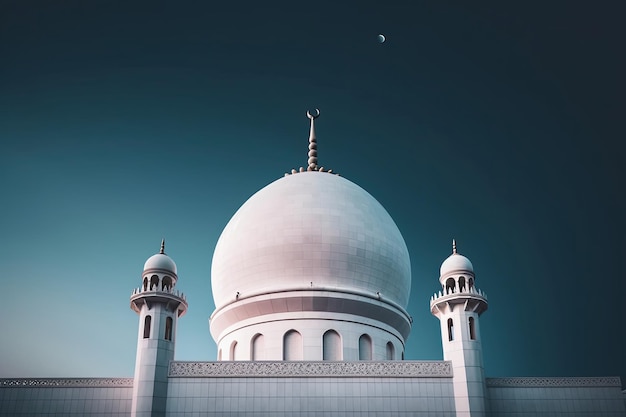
pixel 311 116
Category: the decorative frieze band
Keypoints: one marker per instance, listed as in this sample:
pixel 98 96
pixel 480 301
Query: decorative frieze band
pixel 66 382
pixel 397 369
pixel 606 381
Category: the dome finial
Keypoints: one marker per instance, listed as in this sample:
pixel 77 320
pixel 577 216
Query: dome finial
pixel 454 246
pixel 312 162
pixel 162 251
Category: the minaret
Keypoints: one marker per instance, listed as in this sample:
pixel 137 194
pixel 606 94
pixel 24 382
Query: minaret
pixel 458 307
pixel 159 306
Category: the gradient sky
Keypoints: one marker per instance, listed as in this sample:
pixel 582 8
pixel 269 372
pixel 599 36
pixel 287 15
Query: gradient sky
pixel 499 125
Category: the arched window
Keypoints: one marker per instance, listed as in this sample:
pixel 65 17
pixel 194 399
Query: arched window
pixel 450 330
pixel 471 283
pixel 168 328
pixel 257 348
pixel 145 283
pixel 233 351
pixel 450 285
pixel 146 327
pixel 331 346
pixel 166 284
pixel 471 328
pixel 154 282
pixel 461 284
pixel 292 346
pixel 391 351
pixel 365 348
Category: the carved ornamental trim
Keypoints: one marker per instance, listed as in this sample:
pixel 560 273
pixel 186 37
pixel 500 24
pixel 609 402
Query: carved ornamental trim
pixel 605 381
pixel 389 369
pixel 66 382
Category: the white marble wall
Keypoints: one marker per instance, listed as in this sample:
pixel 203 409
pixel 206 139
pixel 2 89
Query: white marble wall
pixel 38 401
pixel 302 396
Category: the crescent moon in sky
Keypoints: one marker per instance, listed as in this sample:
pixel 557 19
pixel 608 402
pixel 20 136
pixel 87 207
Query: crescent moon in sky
pixel 381 38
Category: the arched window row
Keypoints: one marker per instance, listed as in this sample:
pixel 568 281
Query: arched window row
pixel 147 327
pixel 293 350
pixel 462 284
pixel 154 284
pixel 471 325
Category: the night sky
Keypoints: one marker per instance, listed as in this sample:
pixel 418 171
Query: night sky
pixel 498 124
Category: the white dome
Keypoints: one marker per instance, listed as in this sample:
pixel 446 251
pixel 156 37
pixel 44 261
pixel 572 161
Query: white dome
pixel 160 261
pixel 311 230
pixel 456 262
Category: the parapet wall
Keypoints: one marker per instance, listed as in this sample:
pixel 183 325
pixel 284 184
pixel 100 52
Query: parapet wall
pixel 85 397
pixel 311 388
pixel 545 396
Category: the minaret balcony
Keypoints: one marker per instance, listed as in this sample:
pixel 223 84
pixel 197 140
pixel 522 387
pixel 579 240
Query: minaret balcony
pixel 472 296
pixel 165 295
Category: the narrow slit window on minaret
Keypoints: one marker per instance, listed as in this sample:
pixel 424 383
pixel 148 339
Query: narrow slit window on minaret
pixel 145 283
pixel 461 284
pixel 146 327
pixel 450 330
pixel 471 283
pixel 168 328
pixel 472 331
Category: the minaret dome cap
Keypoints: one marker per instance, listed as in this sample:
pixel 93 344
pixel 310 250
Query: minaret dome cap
pixel 160 261
pixel 455 263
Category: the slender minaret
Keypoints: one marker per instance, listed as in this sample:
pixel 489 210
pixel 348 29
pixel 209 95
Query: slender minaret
pixel 159 306
pixel 458 307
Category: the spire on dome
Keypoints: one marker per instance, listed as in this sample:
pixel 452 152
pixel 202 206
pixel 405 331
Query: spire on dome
pixel 162 251
pixel 454 246
pixel 312 162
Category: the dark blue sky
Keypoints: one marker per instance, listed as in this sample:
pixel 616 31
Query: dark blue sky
pixel 499 125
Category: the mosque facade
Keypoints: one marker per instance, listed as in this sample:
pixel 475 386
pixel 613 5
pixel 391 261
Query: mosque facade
pixel 311 279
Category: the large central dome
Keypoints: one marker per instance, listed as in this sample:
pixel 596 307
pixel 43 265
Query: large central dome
pixel 311 231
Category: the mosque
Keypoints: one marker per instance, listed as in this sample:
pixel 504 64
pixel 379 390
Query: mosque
pixel 311 279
